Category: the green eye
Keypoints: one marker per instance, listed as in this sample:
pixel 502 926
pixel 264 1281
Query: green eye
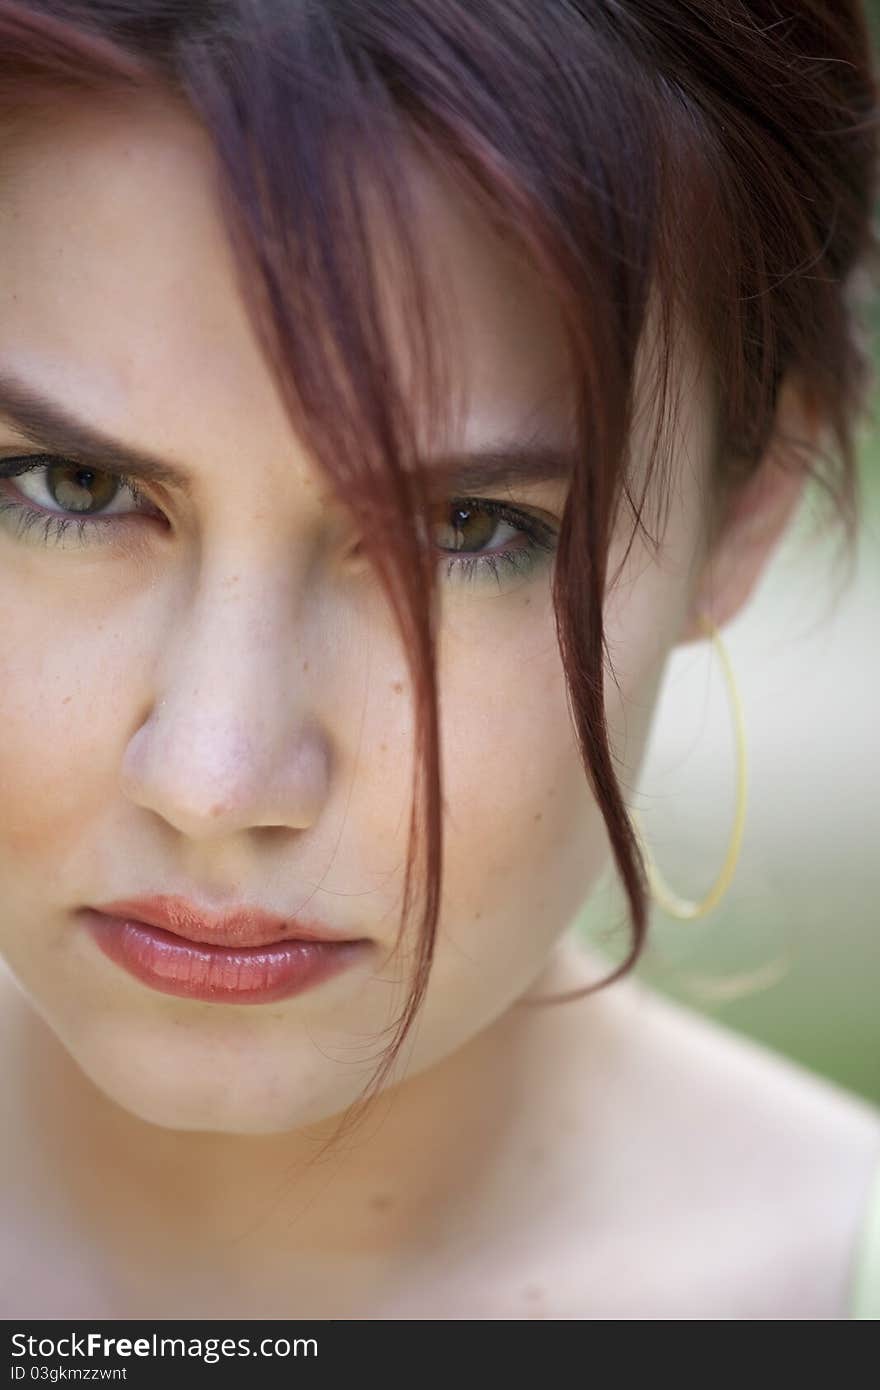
pixel 469 525
pixel 80 489
pixel 73 494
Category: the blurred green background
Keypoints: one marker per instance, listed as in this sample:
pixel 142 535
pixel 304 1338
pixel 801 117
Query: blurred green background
pixel 791 956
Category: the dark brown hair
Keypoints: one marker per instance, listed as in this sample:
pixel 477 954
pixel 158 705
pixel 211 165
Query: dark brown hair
pixel 717 159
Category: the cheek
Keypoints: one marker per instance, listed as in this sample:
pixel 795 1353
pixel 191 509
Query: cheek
pixel 523 832
pixel 58 725
pixel 524 841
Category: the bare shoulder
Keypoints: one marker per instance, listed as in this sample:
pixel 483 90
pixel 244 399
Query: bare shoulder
pixel 665 1167
pixel 749 1187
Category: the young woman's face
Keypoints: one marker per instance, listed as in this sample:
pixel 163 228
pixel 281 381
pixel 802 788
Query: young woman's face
pixel 206 695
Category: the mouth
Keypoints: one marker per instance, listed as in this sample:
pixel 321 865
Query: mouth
pixel 244 956
pixel 243 926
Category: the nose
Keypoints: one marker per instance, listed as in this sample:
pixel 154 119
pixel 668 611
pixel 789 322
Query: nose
pixel 229 741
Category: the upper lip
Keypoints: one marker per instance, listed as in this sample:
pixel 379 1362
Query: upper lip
pixel 242 926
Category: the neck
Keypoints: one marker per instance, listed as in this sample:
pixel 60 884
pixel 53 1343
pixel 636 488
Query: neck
pixel 435 1152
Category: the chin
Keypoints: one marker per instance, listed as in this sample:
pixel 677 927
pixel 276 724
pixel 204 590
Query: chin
pixel 245 1089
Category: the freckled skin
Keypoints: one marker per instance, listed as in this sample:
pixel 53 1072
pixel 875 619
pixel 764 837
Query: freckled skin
pixel 162 712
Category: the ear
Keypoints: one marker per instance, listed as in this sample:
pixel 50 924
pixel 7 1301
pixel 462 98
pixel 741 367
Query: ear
pixel 757 516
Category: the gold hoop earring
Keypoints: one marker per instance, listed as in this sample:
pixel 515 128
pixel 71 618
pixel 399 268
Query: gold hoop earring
pixel 682 908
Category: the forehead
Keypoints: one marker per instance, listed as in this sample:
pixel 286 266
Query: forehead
pixel 117 283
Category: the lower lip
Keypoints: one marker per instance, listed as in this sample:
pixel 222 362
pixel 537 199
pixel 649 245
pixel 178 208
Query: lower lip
pixel 219 974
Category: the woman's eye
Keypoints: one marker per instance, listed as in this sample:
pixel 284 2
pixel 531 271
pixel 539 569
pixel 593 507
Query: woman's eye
pixel 480 538
pixel 72 487
pixel 52 495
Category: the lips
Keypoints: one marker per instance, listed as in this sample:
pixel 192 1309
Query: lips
pixel 244 926
pixel 246 956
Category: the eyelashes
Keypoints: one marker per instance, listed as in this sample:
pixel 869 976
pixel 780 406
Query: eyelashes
pixel 68 484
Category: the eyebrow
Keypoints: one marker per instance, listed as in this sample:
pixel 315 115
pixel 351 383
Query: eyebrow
pixel 512 463
pixel 51 426
pixel 54 428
